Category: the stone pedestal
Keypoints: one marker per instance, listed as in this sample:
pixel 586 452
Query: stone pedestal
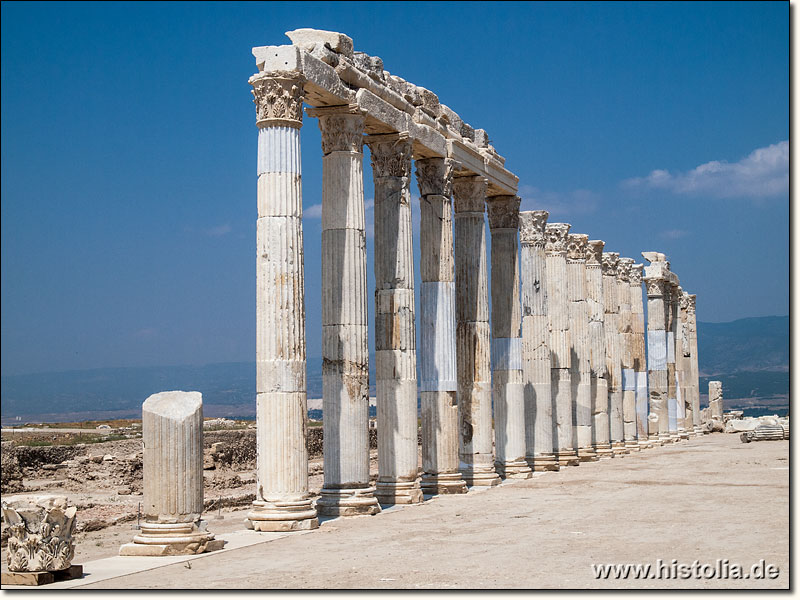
pixel 613 357
pixel 715 399
pixel 539 453
pixel 595 304
pixel 172 471
pixel 395 332
pixel 507 388
pixel 437 380
pixel 638 350
pixel 472 333
pixel 345 360
pixel 40 529
pixel 625 323
pixel 282 499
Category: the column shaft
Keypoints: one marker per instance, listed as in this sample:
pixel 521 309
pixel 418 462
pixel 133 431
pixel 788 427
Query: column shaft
pixel 639 354
pixel 595 303
pixel 626 354
pixel 657 287
pixel 613 354
pixel 694 368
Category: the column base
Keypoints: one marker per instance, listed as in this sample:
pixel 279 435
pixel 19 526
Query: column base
pixel 543 462
pixel 603 451
pixel 398 492
pixel 348 502
pixel 297 515
pixel 435 484
pixel 674 436
pixel 515 469
pixel 698 431
pixel 567 458
pixel 618 449
pixel 665 438
pixel 684 435
pixel 171 539
pixel 645 444
pixel 587 454
pixel 632 446
pixel 480 475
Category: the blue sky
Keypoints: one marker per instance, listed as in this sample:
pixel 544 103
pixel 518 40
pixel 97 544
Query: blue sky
pixel 129 154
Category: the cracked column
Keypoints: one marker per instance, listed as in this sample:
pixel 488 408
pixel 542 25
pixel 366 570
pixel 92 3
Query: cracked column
pixel 675 412
pixel 282 500
pixel 693 365
pixel 345 368
pixel 639 353
pixel 597 341
pixel 437 316
pixel 472 333
pixel 625 322
pixel 657 288
pixel 613 358
pixel 560 345
pixel 395 331
pixel 580 352
pixel 506 360
pixel 535 343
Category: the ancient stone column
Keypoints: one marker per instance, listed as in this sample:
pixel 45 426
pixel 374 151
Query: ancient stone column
pixel 693 365
pixel 472 332
pixel 683 347
pixel 675 412
pixel 282 498
pixel 657 290
pixel 639 354
pixel 535 343
pixel 395 332
pixel 507 385
pixel 39 529
pixel 597 339
pixel 613 354
pixel 580 359
pixel 625 325
pixel 437 376
pixel 345 367
pixel 715 399
pixel 560 343
pixel 172 471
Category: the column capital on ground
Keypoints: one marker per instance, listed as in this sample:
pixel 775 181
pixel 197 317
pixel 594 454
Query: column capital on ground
pixel 556 238
pixel 278 96
pixel 532 227
pixel 503 212
pixel 577 243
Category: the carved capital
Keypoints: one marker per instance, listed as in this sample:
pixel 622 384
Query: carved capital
pixel 656 287
pixel 684 302
pixel 435 176
pixel 692 304
pixel 556 238
pixel 610 263
pixel 576 246
pixel 503 212
pixel 636 274
pixel 469 193
pixel 39 533
pixel 594 253
pixel 342 128
pixel 390 155
pixel 624 269
pixel 278 97
pixel 531 227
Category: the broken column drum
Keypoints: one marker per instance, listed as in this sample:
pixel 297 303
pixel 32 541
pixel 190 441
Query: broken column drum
pixel 639 353
pixel 472 332
pixel 345 369
pixel 694 373
pixel 282 498
pixel 715 399
pixel 580 352
pixel 613 358
pixel 437 318
pixel 597 341
pixel 560 343
pixel 657 286
pixel 507 385
pixel 625 327
pixel 535 343
pixel 395 332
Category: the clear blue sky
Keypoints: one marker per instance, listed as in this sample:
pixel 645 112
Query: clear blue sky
pixel 129 154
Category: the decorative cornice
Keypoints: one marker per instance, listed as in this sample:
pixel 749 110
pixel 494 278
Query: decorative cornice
pixel 556 238
pixel 390 155
pixel 278 97
pixel 610 263
pixel 594 253
pixel 576 246
pixel 503 212
pixel 469 194
pixel 531 227
pixel 435 176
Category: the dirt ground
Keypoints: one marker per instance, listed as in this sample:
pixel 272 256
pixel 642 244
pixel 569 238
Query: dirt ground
pixel 704 499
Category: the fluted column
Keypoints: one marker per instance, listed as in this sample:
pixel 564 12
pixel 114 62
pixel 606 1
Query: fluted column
pixel 345 359
pixel 639 354
pixel 595 304
pixel 535 343
pixel 693 365
pixel 715 399
pixel 657 289
pixel 625 323
pixel 675 411
pixel 683 358
pixel 507 386
pixel 282 498
pixel 437 318
pixel 560 342
pixel 613 357
pixel 395 331
pixel 472 332
pixel 580 359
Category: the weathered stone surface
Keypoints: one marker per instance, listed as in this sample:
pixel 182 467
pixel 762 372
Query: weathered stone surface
pixel 307 39
pixel 715 399
pixel 40 529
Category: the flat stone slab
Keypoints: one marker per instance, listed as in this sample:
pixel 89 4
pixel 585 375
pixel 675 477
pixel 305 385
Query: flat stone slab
pixel 34 578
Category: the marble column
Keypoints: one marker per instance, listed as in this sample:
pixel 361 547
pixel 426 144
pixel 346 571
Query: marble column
pixel 715 399
pixel 580 352
pixel 625 325
pixel 613 354
pixel 657 288
pixel 345 360
pixel 675 412
pixel 693 365
pixel 472 333
pixel 597 340
pixel 560 343
pixel 282 499
pixel 507 386
pixel 395 328
pixel 683 358
pixel 639 354
pixel 438 386
pixel 535 343
pixel 172 472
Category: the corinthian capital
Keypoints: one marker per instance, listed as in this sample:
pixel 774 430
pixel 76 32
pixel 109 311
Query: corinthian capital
pixel 469 193
pixel 435 176
pixel 503 212
pixel 656 287
pixel 278 97
pixel 692 304
pixel 390 154
pixel 624 269
pixel 576 246
pixel 531 227
pixel 594 253
pixel 610 263
pixel 556 238
pixel 342 128
pixel 636 274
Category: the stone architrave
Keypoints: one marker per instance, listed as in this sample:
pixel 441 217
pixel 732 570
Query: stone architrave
pixel 560 342
pixel 472 333
pixel 507 385
pixel 675 411
pixel 580 359
pixel 39 529
pixel 613 354
pixel 346 489
pixel 625 325
pixel 657 287
pixel 693 365
pixel 639 354
pixel 282 499
pixel 172 471
pixel 437 316
pixel 597 339
pixel 715 399
pixel 535 343
pixel 395 329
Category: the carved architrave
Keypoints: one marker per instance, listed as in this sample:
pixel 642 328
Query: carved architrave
pixel 610 263
pixel 469 193
pixel 390 155
pixel 636 274
pixel 556 238
pixel 594 253
pixel 435 176
pixel 531 227
pixel 576 246
pixel 278 97
pixel 503 212
pixel 342 128
pixel 39 535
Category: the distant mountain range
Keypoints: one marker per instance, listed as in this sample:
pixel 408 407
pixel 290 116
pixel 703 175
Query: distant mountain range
pixel 750 357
